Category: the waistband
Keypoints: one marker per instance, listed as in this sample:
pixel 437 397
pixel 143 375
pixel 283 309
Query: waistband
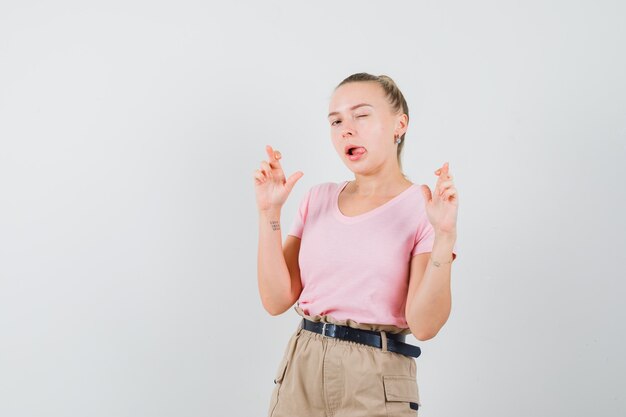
pixel 394 342
pixel 387 328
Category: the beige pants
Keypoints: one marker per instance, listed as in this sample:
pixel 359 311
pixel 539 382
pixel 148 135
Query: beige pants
pixel 320 376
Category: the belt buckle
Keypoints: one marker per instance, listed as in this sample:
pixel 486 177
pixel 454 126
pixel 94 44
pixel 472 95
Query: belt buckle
pixel 324 329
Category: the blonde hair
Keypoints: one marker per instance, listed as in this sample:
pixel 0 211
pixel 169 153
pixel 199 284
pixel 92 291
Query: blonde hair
pixel 394 96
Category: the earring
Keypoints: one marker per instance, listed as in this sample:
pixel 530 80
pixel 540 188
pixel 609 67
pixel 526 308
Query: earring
pixel 397 139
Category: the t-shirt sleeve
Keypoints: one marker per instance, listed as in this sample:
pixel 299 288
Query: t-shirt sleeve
pixel 297 226
pixel 425 239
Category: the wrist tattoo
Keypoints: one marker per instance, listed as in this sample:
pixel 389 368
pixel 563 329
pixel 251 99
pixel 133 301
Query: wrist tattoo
pixel 275 224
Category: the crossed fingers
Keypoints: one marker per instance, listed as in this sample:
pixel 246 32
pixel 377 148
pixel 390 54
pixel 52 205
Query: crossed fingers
pixel 272 168
pixel 445 186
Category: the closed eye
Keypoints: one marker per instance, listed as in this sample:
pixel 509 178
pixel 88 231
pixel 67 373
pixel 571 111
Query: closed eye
pixel 339 121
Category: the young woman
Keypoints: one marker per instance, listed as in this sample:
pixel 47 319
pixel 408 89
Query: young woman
pixel 367 261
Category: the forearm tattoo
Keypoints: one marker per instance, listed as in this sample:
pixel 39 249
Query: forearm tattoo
pixel 275 224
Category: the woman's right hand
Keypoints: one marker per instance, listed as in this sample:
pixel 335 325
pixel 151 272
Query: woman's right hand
pixel 270 184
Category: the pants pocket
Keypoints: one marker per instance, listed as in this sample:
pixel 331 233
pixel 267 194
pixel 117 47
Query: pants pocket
pixel 278 379
pixel 401 395
pixel 280 374
pixel 281 371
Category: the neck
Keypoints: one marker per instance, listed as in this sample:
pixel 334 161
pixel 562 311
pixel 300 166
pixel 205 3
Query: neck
pixel 368 185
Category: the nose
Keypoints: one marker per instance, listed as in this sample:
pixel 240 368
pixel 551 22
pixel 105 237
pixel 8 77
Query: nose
pixel 346 131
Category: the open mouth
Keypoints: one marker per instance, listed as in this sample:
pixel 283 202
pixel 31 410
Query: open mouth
pixel 356 150
pixel 355 153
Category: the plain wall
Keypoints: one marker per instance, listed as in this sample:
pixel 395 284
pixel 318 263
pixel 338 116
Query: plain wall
pixel 129 133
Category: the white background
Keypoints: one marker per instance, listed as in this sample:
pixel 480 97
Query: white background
pixel 129 134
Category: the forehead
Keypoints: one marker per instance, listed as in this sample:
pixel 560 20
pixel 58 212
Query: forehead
pixel 354 93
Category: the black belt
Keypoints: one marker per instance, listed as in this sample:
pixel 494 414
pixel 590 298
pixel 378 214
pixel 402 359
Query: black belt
pixel 395 342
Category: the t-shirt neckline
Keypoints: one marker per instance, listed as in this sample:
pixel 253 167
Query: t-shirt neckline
pixel 350 219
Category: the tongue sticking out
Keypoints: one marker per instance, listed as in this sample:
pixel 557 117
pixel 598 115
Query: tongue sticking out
pixel 358 151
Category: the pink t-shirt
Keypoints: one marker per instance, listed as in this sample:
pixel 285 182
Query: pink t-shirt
pixel 357 267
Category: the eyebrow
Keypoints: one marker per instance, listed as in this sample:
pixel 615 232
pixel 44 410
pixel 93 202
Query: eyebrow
pixel 351 108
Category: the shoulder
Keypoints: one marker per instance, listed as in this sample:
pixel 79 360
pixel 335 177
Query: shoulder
pixel 324 188
pixel 317 194
pixel 418 194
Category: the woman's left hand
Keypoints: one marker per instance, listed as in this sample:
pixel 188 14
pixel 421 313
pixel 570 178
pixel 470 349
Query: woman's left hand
pixel 442 208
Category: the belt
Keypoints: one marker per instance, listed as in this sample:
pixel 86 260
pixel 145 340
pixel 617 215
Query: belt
pixel 395 342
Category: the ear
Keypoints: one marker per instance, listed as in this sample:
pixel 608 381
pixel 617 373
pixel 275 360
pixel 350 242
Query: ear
pixel 402 123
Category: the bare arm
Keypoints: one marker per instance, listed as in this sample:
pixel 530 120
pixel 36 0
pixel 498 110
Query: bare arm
pixel 429 298
pixel 278 273
pixel 277 267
